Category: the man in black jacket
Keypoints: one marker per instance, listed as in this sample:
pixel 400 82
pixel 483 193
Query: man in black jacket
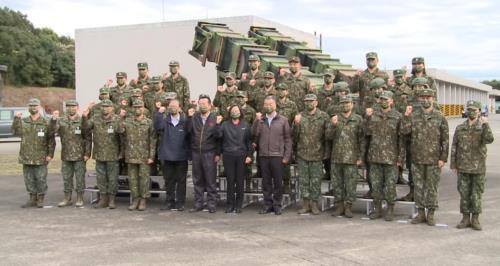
pixel 205 153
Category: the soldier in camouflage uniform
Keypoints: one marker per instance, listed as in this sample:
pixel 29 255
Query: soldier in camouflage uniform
pixel 253 79
pixel 309 136
pixel 468 160
pixel 360 82
pixel 143 78
pixel 122 89
pixel 418 71
pixel 137 95
pixel 226 94
pixel 76 150
pixel 95 109
pixel 153 96
pixel 346 133
pixel 105 130
pixel 37 150
pixel 178 84
pixel 385 154
pixel 257 96
pixel 428 130
pixel 326 93
pixel 298 85
pixel 140 149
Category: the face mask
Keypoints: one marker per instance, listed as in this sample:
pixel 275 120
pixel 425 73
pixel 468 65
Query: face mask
pixel 157 87
pixel 309 106
pixel 419 69
pixel 371 64
pixel 103 97
pixel 345 108
pixel 377 93
pixel 120 82
pixel 173 71
pixel 235 115
pixel 268 82
pixel 229 82
pixel 253 66
pixel 399 81
pixel 282 94
pixel 172 110
pixel 328 80
pixel 384 104
pixel 72 111
pixel 294 69
pixel 472 114
pixel 138 111
pixel 33 110
pixel 268 109
pixel 426 103
pixel 203 109
pixel 241 101
pixel 106 111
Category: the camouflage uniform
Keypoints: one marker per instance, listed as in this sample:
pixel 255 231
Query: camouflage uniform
pixel 244 83
pixel 326 93
pixel 224 99
pixel 348 147
pixel 153 96
pixel 333 107
pixel 140 146
pixel 309 136
pixel 140 82
pixel 37 142
pixel 430 81
pixel 106 150
pixel 257 97
pixel 298 87
pixel 179 85
pixel 118 91
pixel 468 156
pixel 429 144
pixel 385 151
pixel 360 83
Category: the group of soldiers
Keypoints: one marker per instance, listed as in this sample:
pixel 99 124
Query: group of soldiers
pixel 362 122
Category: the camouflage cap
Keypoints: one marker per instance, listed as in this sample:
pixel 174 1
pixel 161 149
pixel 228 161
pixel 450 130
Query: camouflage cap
pixel 398 73
pixel 377 83
pixel 71 102
pixel 386 95
pixel 137 92
pixel 418 60
pixel 295 59
pixel 473 104
pixel 106 103
pixel 253 58
pixel 425 92
pixel 329 72
pixel 419 81
pixel 156 79
pixel 268 74
pixel 310 97
pixel 241 94
pixel 170 95
pixel 137 103
pixel 104 90
pixel 123 97
pixel 341 86
pixel 121 75
pixel 142 65
pixel 173 63
pixel 345 98
pixel 33 102
pixel 230 75
pixel 204 96
pixel 282 86
pixel 371 55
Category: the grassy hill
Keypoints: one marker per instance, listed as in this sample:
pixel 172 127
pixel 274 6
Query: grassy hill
pixel 52 98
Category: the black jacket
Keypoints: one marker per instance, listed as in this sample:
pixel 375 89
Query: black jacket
pixel 236 139
pixel 203 136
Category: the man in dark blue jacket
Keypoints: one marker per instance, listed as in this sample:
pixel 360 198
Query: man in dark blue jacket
pixel 174 152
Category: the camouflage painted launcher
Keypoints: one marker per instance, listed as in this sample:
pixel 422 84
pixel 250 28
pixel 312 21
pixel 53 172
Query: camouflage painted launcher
pixel 315 59
pixel 230 50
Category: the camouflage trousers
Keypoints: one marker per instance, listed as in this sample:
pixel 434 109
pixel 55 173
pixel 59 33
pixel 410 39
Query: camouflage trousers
pixel 344 181
pixel 426 180
pixel 35 178
pixel 72 169
pixel 310 176
pixel 139 181
pixel 107 177
pixel 471 188
pixel 383 178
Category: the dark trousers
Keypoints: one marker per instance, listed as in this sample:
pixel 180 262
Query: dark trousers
pixel 204 178
pixel 174 174
pixel 272 180
pixel 234 166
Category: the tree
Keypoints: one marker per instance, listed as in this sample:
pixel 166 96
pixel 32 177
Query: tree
pixel 495 84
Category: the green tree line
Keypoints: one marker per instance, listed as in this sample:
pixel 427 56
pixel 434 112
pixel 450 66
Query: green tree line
pixel 35 56
pixel 495 84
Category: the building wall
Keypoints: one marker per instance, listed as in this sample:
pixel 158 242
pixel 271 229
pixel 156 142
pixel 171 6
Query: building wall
pixel 101 52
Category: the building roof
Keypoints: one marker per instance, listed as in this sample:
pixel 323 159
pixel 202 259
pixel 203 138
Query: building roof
pixel 442 75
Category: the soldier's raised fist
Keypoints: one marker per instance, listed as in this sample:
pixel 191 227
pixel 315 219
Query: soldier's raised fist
pixel 369 111
pixel 221 88
pixel 55 115
pixel 219 119
pixel 258 116
pixel 191 112
pixel 409 109
pixel 335 119
pixel 161 109
pixel 252 82
pixel 297 118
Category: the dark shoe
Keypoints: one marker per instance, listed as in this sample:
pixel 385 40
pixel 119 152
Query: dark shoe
pixel 196 209
pixel 237 210
pixel 266 210
pixel 212 210
pixel 229 210
pixel 180 208
pixel 465 221
pixel 277 210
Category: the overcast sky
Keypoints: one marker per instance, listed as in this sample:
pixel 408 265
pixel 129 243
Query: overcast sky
pixel 461 36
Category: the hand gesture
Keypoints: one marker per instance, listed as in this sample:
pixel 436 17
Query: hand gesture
pixel 258 116
pixel 297 119
pixel 335 119
pixel 55 115
pixel 369 111
pixel 221 88
pixel 191 112
pixel 219 119
pixel 161 109
pixel 409 110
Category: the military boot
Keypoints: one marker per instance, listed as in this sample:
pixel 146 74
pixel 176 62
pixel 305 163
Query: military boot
pixel 389 215
pixel 103 202
pixel 112 204
pixel 66 201
pixel 465 221
pixel 420 218
pixel 408 197
pixel 339 208
pixel 377 211
pixel 348 210
pixel 475 222
pixel 430 217
pixel 31 201
pixel 79 199
pixel 142 204
pixel 39 200
pixel 306 207
pixel 134 204
pixel 314 207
